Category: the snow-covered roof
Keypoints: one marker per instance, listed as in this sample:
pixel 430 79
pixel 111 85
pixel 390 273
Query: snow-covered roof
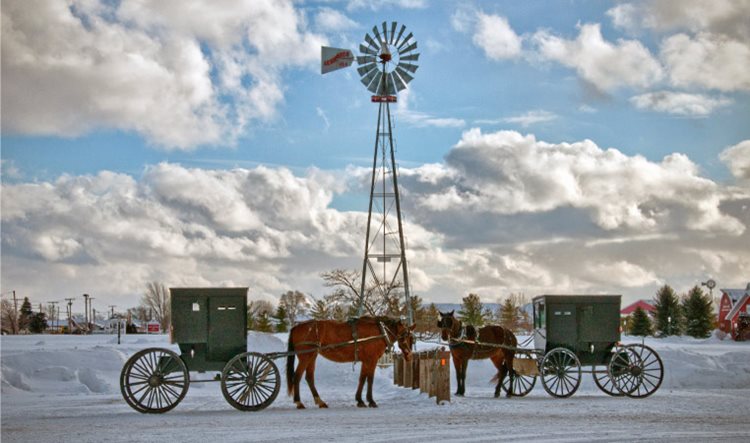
pixel 737 306
pixel 735 294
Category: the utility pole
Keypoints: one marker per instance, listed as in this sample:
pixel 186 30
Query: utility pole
pixel 53 303
pixel 112 313
pixel 86 309
pixel 70 314
pixel 92 320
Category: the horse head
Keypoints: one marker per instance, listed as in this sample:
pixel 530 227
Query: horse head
pixel 447 322
pixel 405 339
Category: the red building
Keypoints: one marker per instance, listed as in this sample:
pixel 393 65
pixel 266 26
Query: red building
pixel 646 305
pixel 735 303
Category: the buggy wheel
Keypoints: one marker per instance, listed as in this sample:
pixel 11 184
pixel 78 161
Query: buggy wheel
pixel 522 384
pixel 154 380
pixel 647 369
pixel 560 372
pixel 604 382
pixel 250 381
pixel 623 370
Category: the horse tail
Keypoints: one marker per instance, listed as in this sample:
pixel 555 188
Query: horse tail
pixel 290 364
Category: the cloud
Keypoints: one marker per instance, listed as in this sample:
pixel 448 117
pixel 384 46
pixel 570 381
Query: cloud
pixel 720 16
pixel 737 159
pixel 532 117
pixel 376 5
pixel 508 173
pixel 330 20
pixel 679 103
pixel 706 60
pixel 603 64
pixel 179 78
pixel 495 36
pixel 422 119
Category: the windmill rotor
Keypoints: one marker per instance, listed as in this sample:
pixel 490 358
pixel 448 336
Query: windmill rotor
pixel 385 57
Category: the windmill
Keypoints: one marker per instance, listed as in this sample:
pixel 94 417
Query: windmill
pixel 387 62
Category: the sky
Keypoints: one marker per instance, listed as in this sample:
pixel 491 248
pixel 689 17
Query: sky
pixel 543 147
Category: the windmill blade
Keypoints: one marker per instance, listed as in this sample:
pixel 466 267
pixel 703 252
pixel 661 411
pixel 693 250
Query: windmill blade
pixel 385 32
pixel 400 33
pixel 366 80
pixel 408 37
pixel 372 42
pixel 411 47
pixel 407 58
pixel 363 60
pixel 404 75
pixel 393 31
pixel 365 50
pixel 365 69
pixel 377 34
pixel 409 67
pixel 375 87
pixel 400 85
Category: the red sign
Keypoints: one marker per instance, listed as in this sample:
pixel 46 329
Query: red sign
pixel 383 99
pixel 153 328
pixel 342 54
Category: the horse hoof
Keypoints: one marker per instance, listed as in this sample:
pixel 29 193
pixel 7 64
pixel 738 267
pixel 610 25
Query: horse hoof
pixel 361 404
pixel 497 395
pixel 322 405
pixel 373 404
pixel 300 406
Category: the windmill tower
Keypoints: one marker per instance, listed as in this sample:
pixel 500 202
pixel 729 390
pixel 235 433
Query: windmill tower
pixel 386 64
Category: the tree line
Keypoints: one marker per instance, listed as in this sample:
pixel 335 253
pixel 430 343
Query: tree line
pixel 691 314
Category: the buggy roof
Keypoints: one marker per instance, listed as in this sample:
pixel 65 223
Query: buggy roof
pixel 578 298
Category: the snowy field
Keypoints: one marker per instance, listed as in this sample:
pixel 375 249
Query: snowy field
pixel 66 388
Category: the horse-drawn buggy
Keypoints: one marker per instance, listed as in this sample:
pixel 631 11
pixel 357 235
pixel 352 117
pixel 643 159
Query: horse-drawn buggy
pixel 210 327
pixel 573 335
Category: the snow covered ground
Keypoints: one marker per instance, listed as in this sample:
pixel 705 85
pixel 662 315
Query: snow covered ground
pixel 66 388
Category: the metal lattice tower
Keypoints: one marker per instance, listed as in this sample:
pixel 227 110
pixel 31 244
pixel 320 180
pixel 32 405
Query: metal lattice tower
pixel 386 63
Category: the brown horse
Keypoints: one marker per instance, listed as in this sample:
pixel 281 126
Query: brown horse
pixel 334 340
pixel 466 344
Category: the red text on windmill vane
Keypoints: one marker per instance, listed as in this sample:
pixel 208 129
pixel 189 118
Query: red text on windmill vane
pixel 342 54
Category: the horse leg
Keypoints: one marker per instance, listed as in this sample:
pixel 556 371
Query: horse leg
pixel 511 372
pixel 304 361
pixel 370 379
pixel 457 365
pixel 310 379
pixel 358 396
pixel 499 361
pixel 463 376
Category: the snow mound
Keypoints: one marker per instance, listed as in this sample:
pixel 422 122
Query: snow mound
pixel 91 379
pixel 55 373
pixel 14 379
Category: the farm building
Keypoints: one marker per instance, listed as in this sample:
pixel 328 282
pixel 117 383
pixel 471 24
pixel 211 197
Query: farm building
pixel 734 312
pixel 646 305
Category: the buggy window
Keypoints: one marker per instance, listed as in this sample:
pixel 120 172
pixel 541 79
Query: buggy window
pixel 539 315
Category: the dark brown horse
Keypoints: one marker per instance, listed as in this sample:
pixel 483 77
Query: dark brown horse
pixel 466 343
pixel 334 340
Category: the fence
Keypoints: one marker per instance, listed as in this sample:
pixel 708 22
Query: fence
pixel 428 371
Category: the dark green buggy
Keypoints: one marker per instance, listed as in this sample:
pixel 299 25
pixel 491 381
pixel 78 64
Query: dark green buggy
pixel 573 331
pixel 210 327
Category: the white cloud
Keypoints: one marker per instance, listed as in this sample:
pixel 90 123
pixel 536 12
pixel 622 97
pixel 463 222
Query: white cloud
pixel 603 64
pixel 508 173
pixel 422 119
pixel 376 5
pixel 139 66
pixel 737 159
pixel 679 103
pixel 330 20
pixel 706 60
pixel 532 117
pixel 495 36
pixel 322 114
pixel 722 16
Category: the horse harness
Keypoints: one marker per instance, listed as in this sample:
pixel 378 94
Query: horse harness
pixel 355 339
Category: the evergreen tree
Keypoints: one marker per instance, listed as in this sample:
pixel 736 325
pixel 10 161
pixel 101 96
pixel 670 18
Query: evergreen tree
pixel 263 323
pixel 640 323
pixel 25 314
pixel 508 314
pixel 668 315
pixel 320 310
pixel 472 311
pixel 281 319
pixel 431 316
pixel 38 323
pixel 699 313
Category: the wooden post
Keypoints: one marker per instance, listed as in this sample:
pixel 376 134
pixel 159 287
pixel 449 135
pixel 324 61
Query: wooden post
pixel 442 377
pixel 407 375
pixel 397 369
pixel 415 374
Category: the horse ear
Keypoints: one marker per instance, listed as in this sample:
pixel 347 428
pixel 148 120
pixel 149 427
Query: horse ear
pixel 451 313
pixel 411 328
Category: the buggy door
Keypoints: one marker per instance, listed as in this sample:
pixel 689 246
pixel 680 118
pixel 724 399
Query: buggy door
pixel 562 329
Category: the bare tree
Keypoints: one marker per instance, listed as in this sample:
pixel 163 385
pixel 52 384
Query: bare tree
pixel 376 300
pixel 8 317
pixel 295 304
pixel 257 309
pixel 156 299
